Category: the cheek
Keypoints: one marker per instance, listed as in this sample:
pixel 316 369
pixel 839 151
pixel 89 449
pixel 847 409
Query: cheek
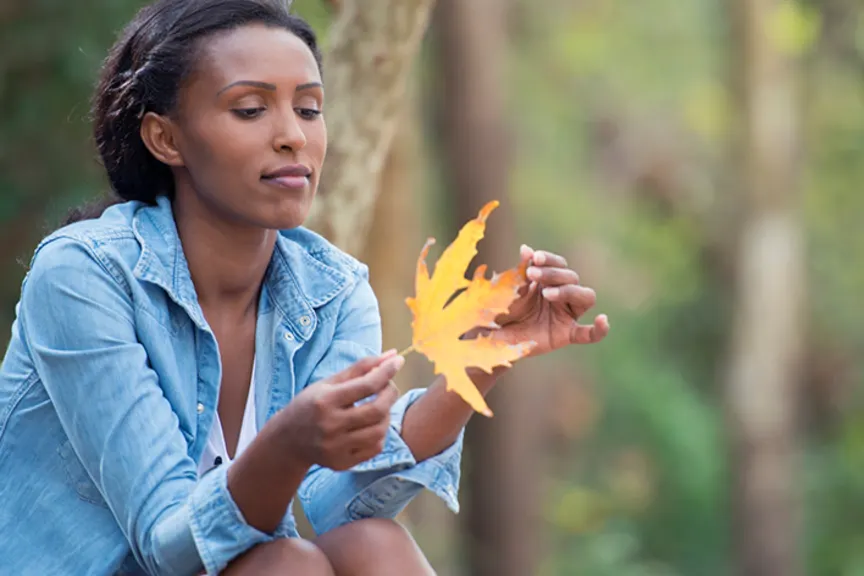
pixel 316 142
pixel 234 143
pixel 219 145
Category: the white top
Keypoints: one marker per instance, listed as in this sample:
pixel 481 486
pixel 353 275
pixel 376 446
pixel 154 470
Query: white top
pixel 215 452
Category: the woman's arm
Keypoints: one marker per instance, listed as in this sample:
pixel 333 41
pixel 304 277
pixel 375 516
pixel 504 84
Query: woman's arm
pixel 382 485
pixel 322 425
pixel 79 324
pixel 436 420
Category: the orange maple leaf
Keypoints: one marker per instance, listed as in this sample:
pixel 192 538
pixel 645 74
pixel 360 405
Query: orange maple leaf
pixel 440 320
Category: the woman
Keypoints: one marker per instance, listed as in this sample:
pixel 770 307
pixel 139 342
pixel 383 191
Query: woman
pixel 179 369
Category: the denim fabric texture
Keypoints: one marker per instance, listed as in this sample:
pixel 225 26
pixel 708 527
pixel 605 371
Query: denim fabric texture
pixel 109 387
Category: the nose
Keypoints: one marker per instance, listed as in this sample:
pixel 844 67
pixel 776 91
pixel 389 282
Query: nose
pixel 288 133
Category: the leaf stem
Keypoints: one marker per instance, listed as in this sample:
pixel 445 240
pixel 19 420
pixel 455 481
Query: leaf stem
pixel 406 351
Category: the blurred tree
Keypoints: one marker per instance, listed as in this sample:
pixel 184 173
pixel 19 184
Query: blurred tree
pixel 372 46
pixel 394 239
pixel 50 52
pixel 501 519
pixel 766 339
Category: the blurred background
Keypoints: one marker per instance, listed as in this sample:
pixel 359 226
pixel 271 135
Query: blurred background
pixel 697 161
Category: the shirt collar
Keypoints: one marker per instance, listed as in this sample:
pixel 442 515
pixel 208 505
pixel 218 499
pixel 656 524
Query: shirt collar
pixel 297 282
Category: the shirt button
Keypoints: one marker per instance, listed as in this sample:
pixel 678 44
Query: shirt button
pixel 289 336
pixel 200 408
pixel 305 320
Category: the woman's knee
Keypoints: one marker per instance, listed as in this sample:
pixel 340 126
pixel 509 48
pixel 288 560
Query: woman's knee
pixel 376 546
pixel 287 556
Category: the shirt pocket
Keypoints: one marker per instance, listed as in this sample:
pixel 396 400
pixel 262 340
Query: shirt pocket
pixel 77 476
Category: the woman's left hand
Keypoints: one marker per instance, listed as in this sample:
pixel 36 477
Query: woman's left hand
pixel 548 308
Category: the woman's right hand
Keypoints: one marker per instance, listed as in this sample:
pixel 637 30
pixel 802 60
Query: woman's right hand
pixel 322 424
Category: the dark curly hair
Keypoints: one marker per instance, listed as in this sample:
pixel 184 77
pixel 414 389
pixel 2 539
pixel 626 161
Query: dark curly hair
pixel 143 73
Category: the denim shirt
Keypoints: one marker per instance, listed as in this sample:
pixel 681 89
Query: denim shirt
pixel 109 388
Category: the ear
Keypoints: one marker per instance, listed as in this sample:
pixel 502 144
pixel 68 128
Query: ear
pixel 159 134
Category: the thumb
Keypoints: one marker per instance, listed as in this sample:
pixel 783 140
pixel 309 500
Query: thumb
pixel 361 367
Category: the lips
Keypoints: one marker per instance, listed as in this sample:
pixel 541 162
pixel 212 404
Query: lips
pixel 292 170
pixel 293 177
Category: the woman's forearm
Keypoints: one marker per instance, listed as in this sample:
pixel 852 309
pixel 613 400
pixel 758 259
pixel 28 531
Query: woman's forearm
pixel 435 420
pixel 264 479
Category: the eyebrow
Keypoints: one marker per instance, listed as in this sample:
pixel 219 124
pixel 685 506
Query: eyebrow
pixel 309 85
pixel 253 83
pixel 267 85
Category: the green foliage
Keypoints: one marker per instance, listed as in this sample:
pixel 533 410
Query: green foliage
pixel 647 249
pixel 50 52
pixel 794 28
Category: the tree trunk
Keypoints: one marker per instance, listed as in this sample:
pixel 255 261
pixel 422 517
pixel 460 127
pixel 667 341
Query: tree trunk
pixel 763 371
pixel 500 518
pixel 372 47
pixel 394 238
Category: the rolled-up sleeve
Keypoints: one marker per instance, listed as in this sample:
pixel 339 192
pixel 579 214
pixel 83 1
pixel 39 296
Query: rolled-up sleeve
pixel 78 319
pixel 382 486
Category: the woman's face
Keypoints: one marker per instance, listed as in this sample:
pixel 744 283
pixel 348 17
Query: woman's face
pixel 248 129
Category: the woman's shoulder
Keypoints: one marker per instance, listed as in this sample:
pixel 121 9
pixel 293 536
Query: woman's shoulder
pixel 108 242
pixel 116 222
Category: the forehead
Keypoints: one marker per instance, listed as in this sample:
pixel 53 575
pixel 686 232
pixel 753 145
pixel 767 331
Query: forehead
pixel 256 52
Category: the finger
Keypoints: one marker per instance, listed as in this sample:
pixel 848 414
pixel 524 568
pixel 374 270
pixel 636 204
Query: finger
pixel 374 412
pixel 525 253
pixel 543 258
pixel 581 334
pixel 373 382
pixel 367 442
pixel 360 367
pixel 365 388
pixel 577 297
pixel 552 276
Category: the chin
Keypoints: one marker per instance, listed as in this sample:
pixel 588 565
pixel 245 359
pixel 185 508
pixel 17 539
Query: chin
pixel 285 217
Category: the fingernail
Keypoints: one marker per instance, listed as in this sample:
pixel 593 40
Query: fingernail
pixel 533 273
pixel 539 258
pixel 388 353
pixel 398 362
pixel 551 292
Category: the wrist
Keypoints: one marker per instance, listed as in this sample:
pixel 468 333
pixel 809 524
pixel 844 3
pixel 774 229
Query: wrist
pixel 265 477
pixel 483 380
pixel 287 443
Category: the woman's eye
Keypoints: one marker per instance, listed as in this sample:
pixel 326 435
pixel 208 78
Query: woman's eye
pixel 248 113
pixel 308 113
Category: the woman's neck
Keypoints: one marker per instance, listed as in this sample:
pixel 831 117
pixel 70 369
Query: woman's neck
pixel 227 259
